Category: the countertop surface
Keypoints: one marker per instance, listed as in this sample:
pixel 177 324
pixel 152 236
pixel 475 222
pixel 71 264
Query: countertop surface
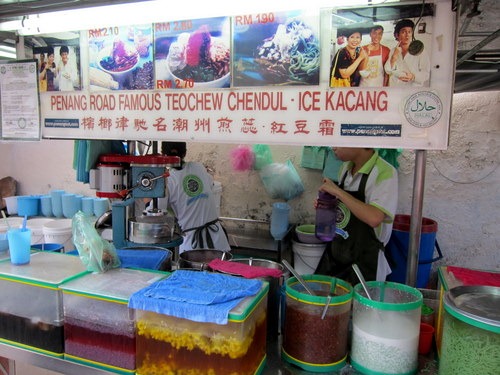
pixel 427 364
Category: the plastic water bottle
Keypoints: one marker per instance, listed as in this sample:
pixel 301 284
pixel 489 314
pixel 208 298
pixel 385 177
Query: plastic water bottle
pixel 326 215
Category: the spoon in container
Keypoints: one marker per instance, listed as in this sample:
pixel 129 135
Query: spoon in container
pixel 362 280
pixel 365 287
pixel 333 285
pixel 298 277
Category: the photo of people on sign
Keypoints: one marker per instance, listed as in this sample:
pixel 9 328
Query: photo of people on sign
pixel 386 46
pixel 193 54
pixel 59 63
pixel 121 58
pixel 276 48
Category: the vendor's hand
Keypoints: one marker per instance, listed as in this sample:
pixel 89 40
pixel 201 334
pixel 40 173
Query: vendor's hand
pixel 330 187
pixel 407 77
pixel 396 54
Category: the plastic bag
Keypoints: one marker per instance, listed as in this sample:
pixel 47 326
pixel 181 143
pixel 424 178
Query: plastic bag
pixel 97 254
pixel 242 158
pixel 282 181
pixel 263 156
pixel 332 166
pixel 313 157
pixel 390 155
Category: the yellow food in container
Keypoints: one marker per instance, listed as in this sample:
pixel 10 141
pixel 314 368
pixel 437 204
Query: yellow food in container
pixel 171 345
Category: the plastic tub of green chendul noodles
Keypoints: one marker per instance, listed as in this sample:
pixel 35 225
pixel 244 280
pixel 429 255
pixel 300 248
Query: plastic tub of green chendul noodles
pixel 471 331
pixel 385 328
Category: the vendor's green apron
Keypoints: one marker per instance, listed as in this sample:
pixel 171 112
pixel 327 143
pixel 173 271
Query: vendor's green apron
pixel 361 245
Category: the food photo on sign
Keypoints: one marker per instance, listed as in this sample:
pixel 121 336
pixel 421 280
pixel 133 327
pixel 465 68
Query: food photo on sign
pixel 276 48
pixel 193 54
pixel 386 46
pixel 121 58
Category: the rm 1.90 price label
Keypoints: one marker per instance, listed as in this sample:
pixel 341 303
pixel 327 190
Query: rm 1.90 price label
pixel 254 19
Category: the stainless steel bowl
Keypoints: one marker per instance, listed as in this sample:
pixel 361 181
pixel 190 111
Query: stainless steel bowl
pixel 199 259
pixel 153 229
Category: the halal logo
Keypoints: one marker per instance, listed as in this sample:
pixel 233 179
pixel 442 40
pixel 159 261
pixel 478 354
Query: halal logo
pixel 423 109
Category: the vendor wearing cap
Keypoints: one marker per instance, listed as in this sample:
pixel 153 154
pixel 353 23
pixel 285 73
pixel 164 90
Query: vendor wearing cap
pixel 407 67
pixel 348 61
pixel 193 202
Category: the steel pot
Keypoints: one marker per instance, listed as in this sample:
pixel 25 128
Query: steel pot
pixel 199 259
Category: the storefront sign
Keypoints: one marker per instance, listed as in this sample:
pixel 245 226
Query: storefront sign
pixel 274 86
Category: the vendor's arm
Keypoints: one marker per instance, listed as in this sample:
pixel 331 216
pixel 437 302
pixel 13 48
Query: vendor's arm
pixel 391 65
pixel 367 213
pixel 43 74
pixel 349 71
pixel 423 69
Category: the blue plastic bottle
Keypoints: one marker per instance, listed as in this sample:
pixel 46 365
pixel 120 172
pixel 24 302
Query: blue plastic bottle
pixel 326 215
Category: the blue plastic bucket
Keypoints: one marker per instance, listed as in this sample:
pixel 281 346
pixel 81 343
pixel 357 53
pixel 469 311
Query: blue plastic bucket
pixel 397 250
pixel 28 205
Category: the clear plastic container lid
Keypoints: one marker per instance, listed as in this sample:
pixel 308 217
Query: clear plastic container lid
pixel 476 305
pixel 116 284
pixel 45 268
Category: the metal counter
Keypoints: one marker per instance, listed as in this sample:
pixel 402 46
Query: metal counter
pixel 252 238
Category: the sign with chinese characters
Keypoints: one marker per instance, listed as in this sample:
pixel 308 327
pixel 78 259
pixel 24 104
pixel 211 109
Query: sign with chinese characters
pixel 392 95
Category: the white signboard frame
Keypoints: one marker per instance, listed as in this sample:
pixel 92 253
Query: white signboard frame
pixel 415 117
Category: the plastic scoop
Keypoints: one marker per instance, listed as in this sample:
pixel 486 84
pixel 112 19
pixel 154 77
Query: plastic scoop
pixel 298 277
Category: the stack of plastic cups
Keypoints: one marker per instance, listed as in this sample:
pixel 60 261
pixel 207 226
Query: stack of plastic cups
pixel 11 203
pixel 46 205
pixel 101 205
pixel 71 204
pixel 56 196
pixel 88 206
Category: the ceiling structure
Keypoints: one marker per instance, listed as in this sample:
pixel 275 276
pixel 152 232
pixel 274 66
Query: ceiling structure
pixel 478 44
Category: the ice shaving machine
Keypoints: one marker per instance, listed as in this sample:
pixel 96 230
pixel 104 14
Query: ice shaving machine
pixel 126 179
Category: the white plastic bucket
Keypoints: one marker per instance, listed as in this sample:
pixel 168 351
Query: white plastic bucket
pixel 306 256
pixel 36 226
pixel 59 231
pixel 11 203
